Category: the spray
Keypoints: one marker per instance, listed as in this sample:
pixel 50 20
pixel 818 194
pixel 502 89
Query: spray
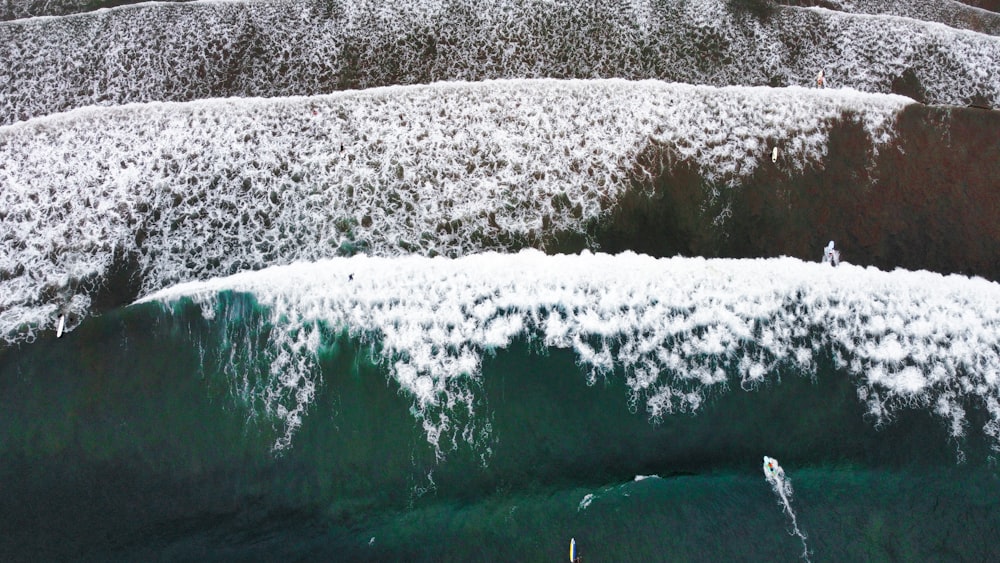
pixel 782 487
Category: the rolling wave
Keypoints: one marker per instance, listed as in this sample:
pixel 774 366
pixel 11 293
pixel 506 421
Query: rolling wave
pixel 186 51
pixel 948 12
pixel 178 192
pixel 680 329
pixel 19 9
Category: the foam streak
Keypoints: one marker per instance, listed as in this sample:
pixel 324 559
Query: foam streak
pixel 782 487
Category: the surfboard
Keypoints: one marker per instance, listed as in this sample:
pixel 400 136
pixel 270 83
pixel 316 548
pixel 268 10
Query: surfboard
pixel 572 549
pixel 774 155
pixel 62 325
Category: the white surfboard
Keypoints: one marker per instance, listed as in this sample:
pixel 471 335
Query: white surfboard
pixel 774 154
pixel 61 327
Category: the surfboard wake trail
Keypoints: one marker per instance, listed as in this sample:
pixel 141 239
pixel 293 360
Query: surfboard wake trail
pixel 782 487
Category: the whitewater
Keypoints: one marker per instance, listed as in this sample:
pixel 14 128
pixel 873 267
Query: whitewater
pixel 197 50
pixel 175 192
pixel 680 329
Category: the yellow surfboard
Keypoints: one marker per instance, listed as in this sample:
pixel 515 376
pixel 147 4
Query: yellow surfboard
pixel 572 549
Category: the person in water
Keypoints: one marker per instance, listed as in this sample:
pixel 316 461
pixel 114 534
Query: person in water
pixel 831 256
pixel 774 469
pixel 820 80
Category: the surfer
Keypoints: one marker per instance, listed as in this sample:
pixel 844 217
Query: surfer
pixel 772 470
pixel 574 557
pixel 820 80
pixel 831 256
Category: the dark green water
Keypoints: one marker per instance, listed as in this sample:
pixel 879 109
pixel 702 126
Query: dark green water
pixel 116 444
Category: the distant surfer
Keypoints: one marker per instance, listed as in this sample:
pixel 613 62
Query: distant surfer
pixel 773 471
pixel 831 256
pixel 820 80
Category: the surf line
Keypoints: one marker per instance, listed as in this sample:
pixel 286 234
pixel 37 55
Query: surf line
pixel 782 487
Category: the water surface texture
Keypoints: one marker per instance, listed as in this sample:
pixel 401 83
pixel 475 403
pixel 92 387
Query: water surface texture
pixel 465 281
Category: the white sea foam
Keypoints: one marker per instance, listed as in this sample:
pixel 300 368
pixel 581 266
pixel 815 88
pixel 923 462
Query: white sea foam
pixel 949 12
pixel 178 52
pixel 678 329
pixel 622 489
pixel 211 188
pixel 940 49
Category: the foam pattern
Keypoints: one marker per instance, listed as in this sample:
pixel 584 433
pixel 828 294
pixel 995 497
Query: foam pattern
pixel 211 188
pixel 679 329
pixel 932 53
pixel 17 9
pixel 180 52
pixel 948 12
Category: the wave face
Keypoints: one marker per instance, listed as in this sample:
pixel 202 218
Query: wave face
pixel 680 329
pixel 186 51
pixel 127 441
pixel 190 191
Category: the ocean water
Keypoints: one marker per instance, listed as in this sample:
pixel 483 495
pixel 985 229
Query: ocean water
pixel 414 281
pixel 161 430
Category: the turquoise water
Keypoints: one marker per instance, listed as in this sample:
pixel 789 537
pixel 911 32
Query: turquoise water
pixel 120 443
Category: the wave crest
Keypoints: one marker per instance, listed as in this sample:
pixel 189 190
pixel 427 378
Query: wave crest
pixel 191 191
pixel 181 52
pixel 679 329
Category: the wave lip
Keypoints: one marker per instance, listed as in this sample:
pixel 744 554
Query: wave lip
pixel 189 191
pixel 186 51
pixel 678 328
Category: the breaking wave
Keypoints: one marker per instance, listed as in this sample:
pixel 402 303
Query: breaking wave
pixel 678 329
pixel 181 192
pixel 186 51
pixel 17 9
pixel 947 12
